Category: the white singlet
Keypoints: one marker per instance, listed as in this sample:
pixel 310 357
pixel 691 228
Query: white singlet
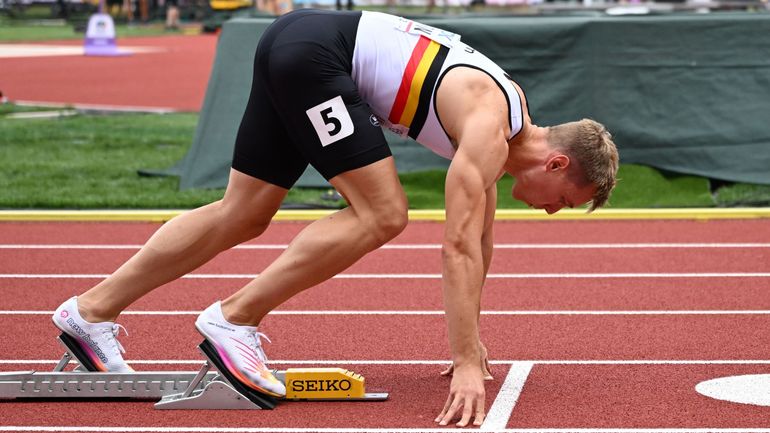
pixel 397 66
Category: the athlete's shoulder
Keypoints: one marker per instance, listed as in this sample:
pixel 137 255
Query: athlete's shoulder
pixel 467 78
pixel 469 93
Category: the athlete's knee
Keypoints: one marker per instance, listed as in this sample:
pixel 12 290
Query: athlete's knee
pixel 396 222
pixel 389 221
pixel 245 223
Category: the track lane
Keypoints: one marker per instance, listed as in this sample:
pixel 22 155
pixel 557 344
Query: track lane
pixel 423 294
pixel 424 337
pixel 535 337
pixel 639 396
pixel 599 231
pixel 387 261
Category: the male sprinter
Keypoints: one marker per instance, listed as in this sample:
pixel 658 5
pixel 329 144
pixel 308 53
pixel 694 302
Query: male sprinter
pixel 324 82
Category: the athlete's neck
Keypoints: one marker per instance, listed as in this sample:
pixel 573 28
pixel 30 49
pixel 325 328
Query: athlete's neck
pixel 528 148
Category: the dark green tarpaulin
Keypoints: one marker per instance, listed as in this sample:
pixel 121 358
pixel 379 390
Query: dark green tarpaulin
pixel 686 93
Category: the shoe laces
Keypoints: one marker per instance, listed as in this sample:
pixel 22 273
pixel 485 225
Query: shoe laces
pixel 115 331
pixel 255 343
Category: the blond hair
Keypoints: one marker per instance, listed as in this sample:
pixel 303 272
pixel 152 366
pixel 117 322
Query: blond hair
pixel 589 144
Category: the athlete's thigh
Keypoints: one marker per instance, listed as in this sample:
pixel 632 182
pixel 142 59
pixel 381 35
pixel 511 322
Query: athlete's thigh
pixel 252 198
pixel 263 147
pixel 375 186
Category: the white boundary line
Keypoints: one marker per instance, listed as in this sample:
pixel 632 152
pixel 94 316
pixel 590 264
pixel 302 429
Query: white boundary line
pixel 337 362
pixel 362 430
pixel 500 412
pixel 438 276
pixel 93 107
pixel 411 246
pixel 437 313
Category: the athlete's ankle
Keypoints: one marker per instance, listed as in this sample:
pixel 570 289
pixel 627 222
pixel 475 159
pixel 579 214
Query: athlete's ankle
pixel 235 316
pixel 92 313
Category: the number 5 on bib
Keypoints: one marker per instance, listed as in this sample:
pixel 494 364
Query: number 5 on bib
pixel 331 121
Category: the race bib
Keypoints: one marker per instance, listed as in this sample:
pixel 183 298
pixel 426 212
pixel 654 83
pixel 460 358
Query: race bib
pixel 331 121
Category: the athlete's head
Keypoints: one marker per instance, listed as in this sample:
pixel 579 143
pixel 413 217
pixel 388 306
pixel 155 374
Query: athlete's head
pixel 580 167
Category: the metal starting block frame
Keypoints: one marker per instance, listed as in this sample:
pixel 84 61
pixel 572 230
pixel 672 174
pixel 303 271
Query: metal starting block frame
pixel 204 389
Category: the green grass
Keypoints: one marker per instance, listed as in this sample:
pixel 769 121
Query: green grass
pixel 37 24
pixel 26 32
pixel 91 161
pixel 644 187
pixel 9 108
pixel 639 187
pixel 744 195
pixel 11 32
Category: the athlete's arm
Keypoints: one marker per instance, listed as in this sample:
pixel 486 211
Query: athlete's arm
pixel 487 238
pixel 487 248
pixel 478 129
pixel 487 243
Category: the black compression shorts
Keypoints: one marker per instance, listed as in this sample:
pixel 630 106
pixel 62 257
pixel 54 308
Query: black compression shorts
pixel 304 106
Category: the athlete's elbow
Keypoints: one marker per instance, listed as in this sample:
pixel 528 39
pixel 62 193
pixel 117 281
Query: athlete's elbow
pixel 457 246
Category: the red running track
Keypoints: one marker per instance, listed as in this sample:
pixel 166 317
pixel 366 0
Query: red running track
pixel 613 353
pixel 423 261
pixel 174 76
pixel 757 230
pixel 395 337
pixel 425 294
pixel 396 262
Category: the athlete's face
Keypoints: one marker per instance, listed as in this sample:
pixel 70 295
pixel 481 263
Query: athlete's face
pixel 551 186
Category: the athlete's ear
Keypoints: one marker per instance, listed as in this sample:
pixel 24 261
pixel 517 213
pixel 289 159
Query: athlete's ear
pixel 557 162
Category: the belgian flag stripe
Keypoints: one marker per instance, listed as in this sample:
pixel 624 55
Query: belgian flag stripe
pixel 423 104
pixel 417 84
pixel 406 79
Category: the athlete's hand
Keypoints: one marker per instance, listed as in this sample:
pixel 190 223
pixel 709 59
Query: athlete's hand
pixel 466 397
pixel 484 365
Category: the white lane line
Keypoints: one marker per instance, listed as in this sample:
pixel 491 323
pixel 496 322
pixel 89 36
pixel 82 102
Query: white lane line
pixel 98 107
pixel 500 412
pixel 429 362
pixel 40 50
pixel 438 313
pixel 505 246
pixel 361 430
pixel 436 276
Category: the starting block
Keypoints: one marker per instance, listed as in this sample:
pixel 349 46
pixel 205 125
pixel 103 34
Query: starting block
pixel 204 389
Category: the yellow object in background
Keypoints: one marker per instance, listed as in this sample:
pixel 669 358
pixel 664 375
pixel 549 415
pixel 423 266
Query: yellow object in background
pixel 227 5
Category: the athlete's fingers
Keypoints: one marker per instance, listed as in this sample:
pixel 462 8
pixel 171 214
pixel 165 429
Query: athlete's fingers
pixel 467 412
pixel 480 413
pixel 445 409
pixel 453 408
pixel 449 370
pixel 485 362
pixel 487 371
